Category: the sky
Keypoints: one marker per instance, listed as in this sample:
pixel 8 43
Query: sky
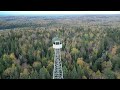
pixel 2 13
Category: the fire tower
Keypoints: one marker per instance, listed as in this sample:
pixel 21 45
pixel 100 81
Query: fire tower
pixel 57 71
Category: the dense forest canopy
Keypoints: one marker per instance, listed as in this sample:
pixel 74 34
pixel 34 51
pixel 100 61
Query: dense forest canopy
pixel 91 46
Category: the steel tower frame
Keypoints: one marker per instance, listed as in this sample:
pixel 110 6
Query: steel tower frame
pixel 57 71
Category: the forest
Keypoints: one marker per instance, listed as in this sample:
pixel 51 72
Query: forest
pixel 91 46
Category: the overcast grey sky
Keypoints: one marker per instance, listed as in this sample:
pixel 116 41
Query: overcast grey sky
pixel 56 12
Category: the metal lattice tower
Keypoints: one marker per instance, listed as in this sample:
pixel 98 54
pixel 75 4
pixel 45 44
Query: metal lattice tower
pixel 57 71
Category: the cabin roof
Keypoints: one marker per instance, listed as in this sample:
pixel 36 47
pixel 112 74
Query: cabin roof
pixel 56 39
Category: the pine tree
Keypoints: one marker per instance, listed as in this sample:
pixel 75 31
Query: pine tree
pixel 65 72
pixel 74 73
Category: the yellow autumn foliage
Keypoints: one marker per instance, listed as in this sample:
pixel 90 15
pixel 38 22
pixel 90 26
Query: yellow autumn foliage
pixel 80 61
pixel 12 56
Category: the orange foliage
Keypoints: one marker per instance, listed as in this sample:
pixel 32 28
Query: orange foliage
pixel 114 49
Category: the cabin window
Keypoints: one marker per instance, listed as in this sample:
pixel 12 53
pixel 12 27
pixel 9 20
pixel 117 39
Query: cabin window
pixel 57 43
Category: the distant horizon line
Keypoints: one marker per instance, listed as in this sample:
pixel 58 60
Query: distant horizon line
pixel 4 15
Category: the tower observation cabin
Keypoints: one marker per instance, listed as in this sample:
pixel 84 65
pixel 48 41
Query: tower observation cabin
pixel 57 43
